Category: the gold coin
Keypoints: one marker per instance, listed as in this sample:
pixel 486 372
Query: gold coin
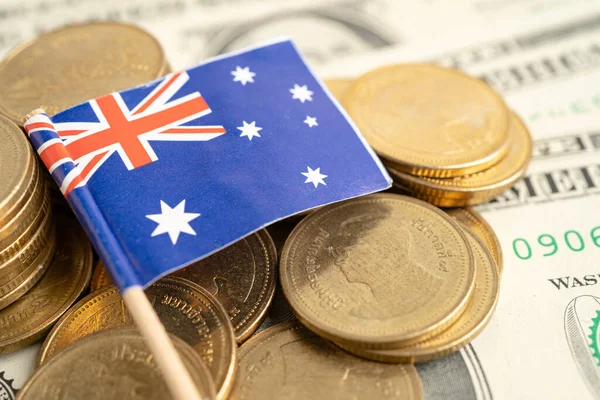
pixel 25 269
pixel 28 251
pixel 30 317
pixel 17 164
pixel 65 67
pixel 100 278
pixel 428 120
pixel 22 228
pixel 479 226
pixel 338 87
pixel 242 279
pixel 115 364
pixel 288 361
pixel 186 310
pixel 470 324
pixel 475 188
pixel 380 271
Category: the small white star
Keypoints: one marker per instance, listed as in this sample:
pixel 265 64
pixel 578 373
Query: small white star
pixel 250 130
pixel 314 176
pixel 173 221
pixel 243 75
pixel 311 121
pixel 301 93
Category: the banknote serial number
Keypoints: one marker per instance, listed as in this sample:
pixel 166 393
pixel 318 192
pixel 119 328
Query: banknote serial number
pixel 547 245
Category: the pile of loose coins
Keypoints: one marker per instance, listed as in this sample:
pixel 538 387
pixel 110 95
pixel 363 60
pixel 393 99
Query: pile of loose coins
pixel 27 237
pixel 367 288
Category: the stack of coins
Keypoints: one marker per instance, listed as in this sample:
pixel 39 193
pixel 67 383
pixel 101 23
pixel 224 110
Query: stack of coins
pixel 389 278
pixel 445 137
pixel 27 236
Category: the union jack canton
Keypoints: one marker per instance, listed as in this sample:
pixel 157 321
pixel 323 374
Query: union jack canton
pixel 169 172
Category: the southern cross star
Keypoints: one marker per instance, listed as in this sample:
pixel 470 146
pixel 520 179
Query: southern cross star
pixel 243 75
pixel 311 121
pixel 250 130
pixel 301 93
pixel 173 221
pixel 314 176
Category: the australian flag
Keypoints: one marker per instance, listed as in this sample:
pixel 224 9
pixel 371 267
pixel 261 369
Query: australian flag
pixel 167 173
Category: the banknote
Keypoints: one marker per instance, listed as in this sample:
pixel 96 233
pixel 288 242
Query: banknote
pixel 543 341
pixel 15 369
pixel 544 56
pixel 326 30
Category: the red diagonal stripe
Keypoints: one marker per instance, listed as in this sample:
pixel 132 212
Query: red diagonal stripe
pixel 71 132
pixel 84 172
pixel 151 100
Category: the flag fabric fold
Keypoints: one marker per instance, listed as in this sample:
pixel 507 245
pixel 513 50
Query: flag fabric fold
pixel 169 172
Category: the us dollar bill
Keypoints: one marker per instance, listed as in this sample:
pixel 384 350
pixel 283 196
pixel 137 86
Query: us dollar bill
pixel 543 340
pixel 325 30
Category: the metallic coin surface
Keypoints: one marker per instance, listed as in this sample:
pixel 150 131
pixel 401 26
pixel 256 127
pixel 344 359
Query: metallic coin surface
pixel 380 271
pixel 16 167
pixel 186 309
pixel 478 187
pixel 242 278
pixel 16 233
pixel 467 326
pixel 16 220
pixel 338 87
pixel 287 361
pixel 115 364
pixel 479 226
pixel 29 264
pixel 28 251
pixel 30 317
pixel 412 116
pixel 100 277
pixel 70 65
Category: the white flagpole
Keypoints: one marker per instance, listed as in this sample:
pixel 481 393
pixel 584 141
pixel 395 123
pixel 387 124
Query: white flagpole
pixel 176 375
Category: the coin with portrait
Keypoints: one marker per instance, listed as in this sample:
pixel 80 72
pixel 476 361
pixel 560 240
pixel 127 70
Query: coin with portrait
pixel 380 271
pixel 467 326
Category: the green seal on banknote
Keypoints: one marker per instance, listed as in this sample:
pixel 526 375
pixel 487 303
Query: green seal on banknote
pixel 595 337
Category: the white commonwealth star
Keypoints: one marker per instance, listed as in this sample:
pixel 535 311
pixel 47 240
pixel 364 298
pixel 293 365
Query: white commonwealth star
pixel 301 93
pixel 173 221
pixel 243 75
pixel 311 121
pixel 250 130
pixel 314 176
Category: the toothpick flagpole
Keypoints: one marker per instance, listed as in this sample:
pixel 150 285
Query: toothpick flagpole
pixel 176 376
